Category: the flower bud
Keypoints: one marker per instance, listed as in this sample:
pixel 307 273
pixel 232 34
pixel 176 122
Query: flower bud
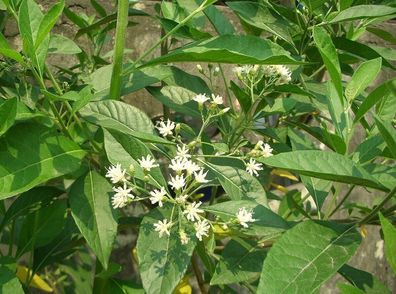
pixel 131 169
pixel 199 67
pixel 224 110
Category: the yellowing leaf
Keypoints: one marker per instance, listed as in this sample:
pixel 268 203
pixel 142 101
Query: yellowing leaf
pixel 37 282
pixel 279 187
pixel 220 230
pixel 284 174
pixel 184 287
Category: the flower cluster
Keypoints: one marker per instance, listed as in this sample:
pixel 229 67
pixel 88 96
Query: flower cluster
pixel 273 74
pixel 261 149
pixel 123 194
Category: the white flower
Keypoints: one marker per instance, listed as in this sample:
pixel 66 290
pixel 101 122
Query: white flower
pixel 181 199
pixel 284 74
pixel 192 211
pixel 201 98
pixel 379 252
pixel 162 227
pixel 266 150
pixel 147 163
pixel 245 216
pixel 178 164
pixel 252 167
pixel 177 182
pixel 200 177
pixel 191 167
pixel 121 197
pixel 224 110
pixel 158 196
pixel 201 229
pixel 199 67
pixel 116 173
pixel 165 129
pixel 182 152
pixel 184 239
pixel 217 99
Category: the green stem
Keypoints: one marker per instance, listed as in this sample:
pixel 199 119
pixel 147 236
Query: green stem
pixel 342 200
pixel 122 23
pixel 131 68
pixel 374 212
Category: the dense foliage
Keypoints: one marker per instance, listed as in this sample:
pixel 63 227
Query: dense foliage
pixel 248 188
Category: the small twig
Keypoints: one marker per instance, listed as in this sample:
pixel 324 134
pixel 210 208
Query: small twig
pixel 198 274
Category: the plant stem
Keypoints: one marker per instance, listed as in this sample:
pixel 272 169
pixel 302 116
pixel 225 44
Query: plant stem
pixel 342 201
pixel 197 271
pixel 122 23
pixel 374 212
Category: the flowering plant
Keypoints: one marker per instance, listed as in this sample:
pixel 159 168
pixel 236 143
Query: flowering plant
pixel 249 179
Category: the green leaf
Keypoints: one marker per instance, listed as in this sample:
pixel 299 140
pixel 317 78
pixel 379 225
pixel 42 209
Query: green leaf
pixel 176 98
pixel 29 202
pixel 41 227
pixel 374 97
pixel 267 222
pixel 139 79
pixel 220 22
pixel 123 149
pixel 384 174
pixel 388 132
pixel 163 261
pixel 349 289
pixel 330 58
pixel 9 283
pixel 62 45
pixel 229 49
pixel 122 117
pixel 306 256
pixel 362 77
pixel 238 263
pixel 390 241
pixel 262 17
pixel 383 34
pixel 8 111
pixel 91 209
pixel 363 11
pixel 323 165
pixel 368 149
pixel 31 154
pixel 362 280
pixel 339 115
pixel 319 189
pixel 8 52
pixel 237 183
pixel 48 22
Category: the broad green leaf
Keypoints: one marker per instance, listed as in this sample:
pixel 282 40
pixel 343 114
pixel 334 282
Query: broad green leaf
pixel 349 289
pixel 8 52
pixel 390 241
pixel 8 111
pixel 384 174
pixel 323 165
pixel 238 263
pixel 385 109
pixel 122 117
pixel 91 209
pixel 360 50
pixel 220 22
pixel 62 45
pixel 363 11
pixel 318 189
pixel 339 115
pixel 374 97
pixel 362 280
pixel 42 226
pixel 48 22
pixel 29 202
pixel 237 183
pixel 330 58
pixel 9 283
pixel 306 256
pixel 176 98
pixel 163 260
pixel 388 132
pixel 368 149
pixel 117 286
pixel 266 222
pixel 31 155
pixel 383 34
pixel 127 151
pixel 139 79
pixel 362 77
pixel 262 17
pixel 181 78
pixel 229 49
